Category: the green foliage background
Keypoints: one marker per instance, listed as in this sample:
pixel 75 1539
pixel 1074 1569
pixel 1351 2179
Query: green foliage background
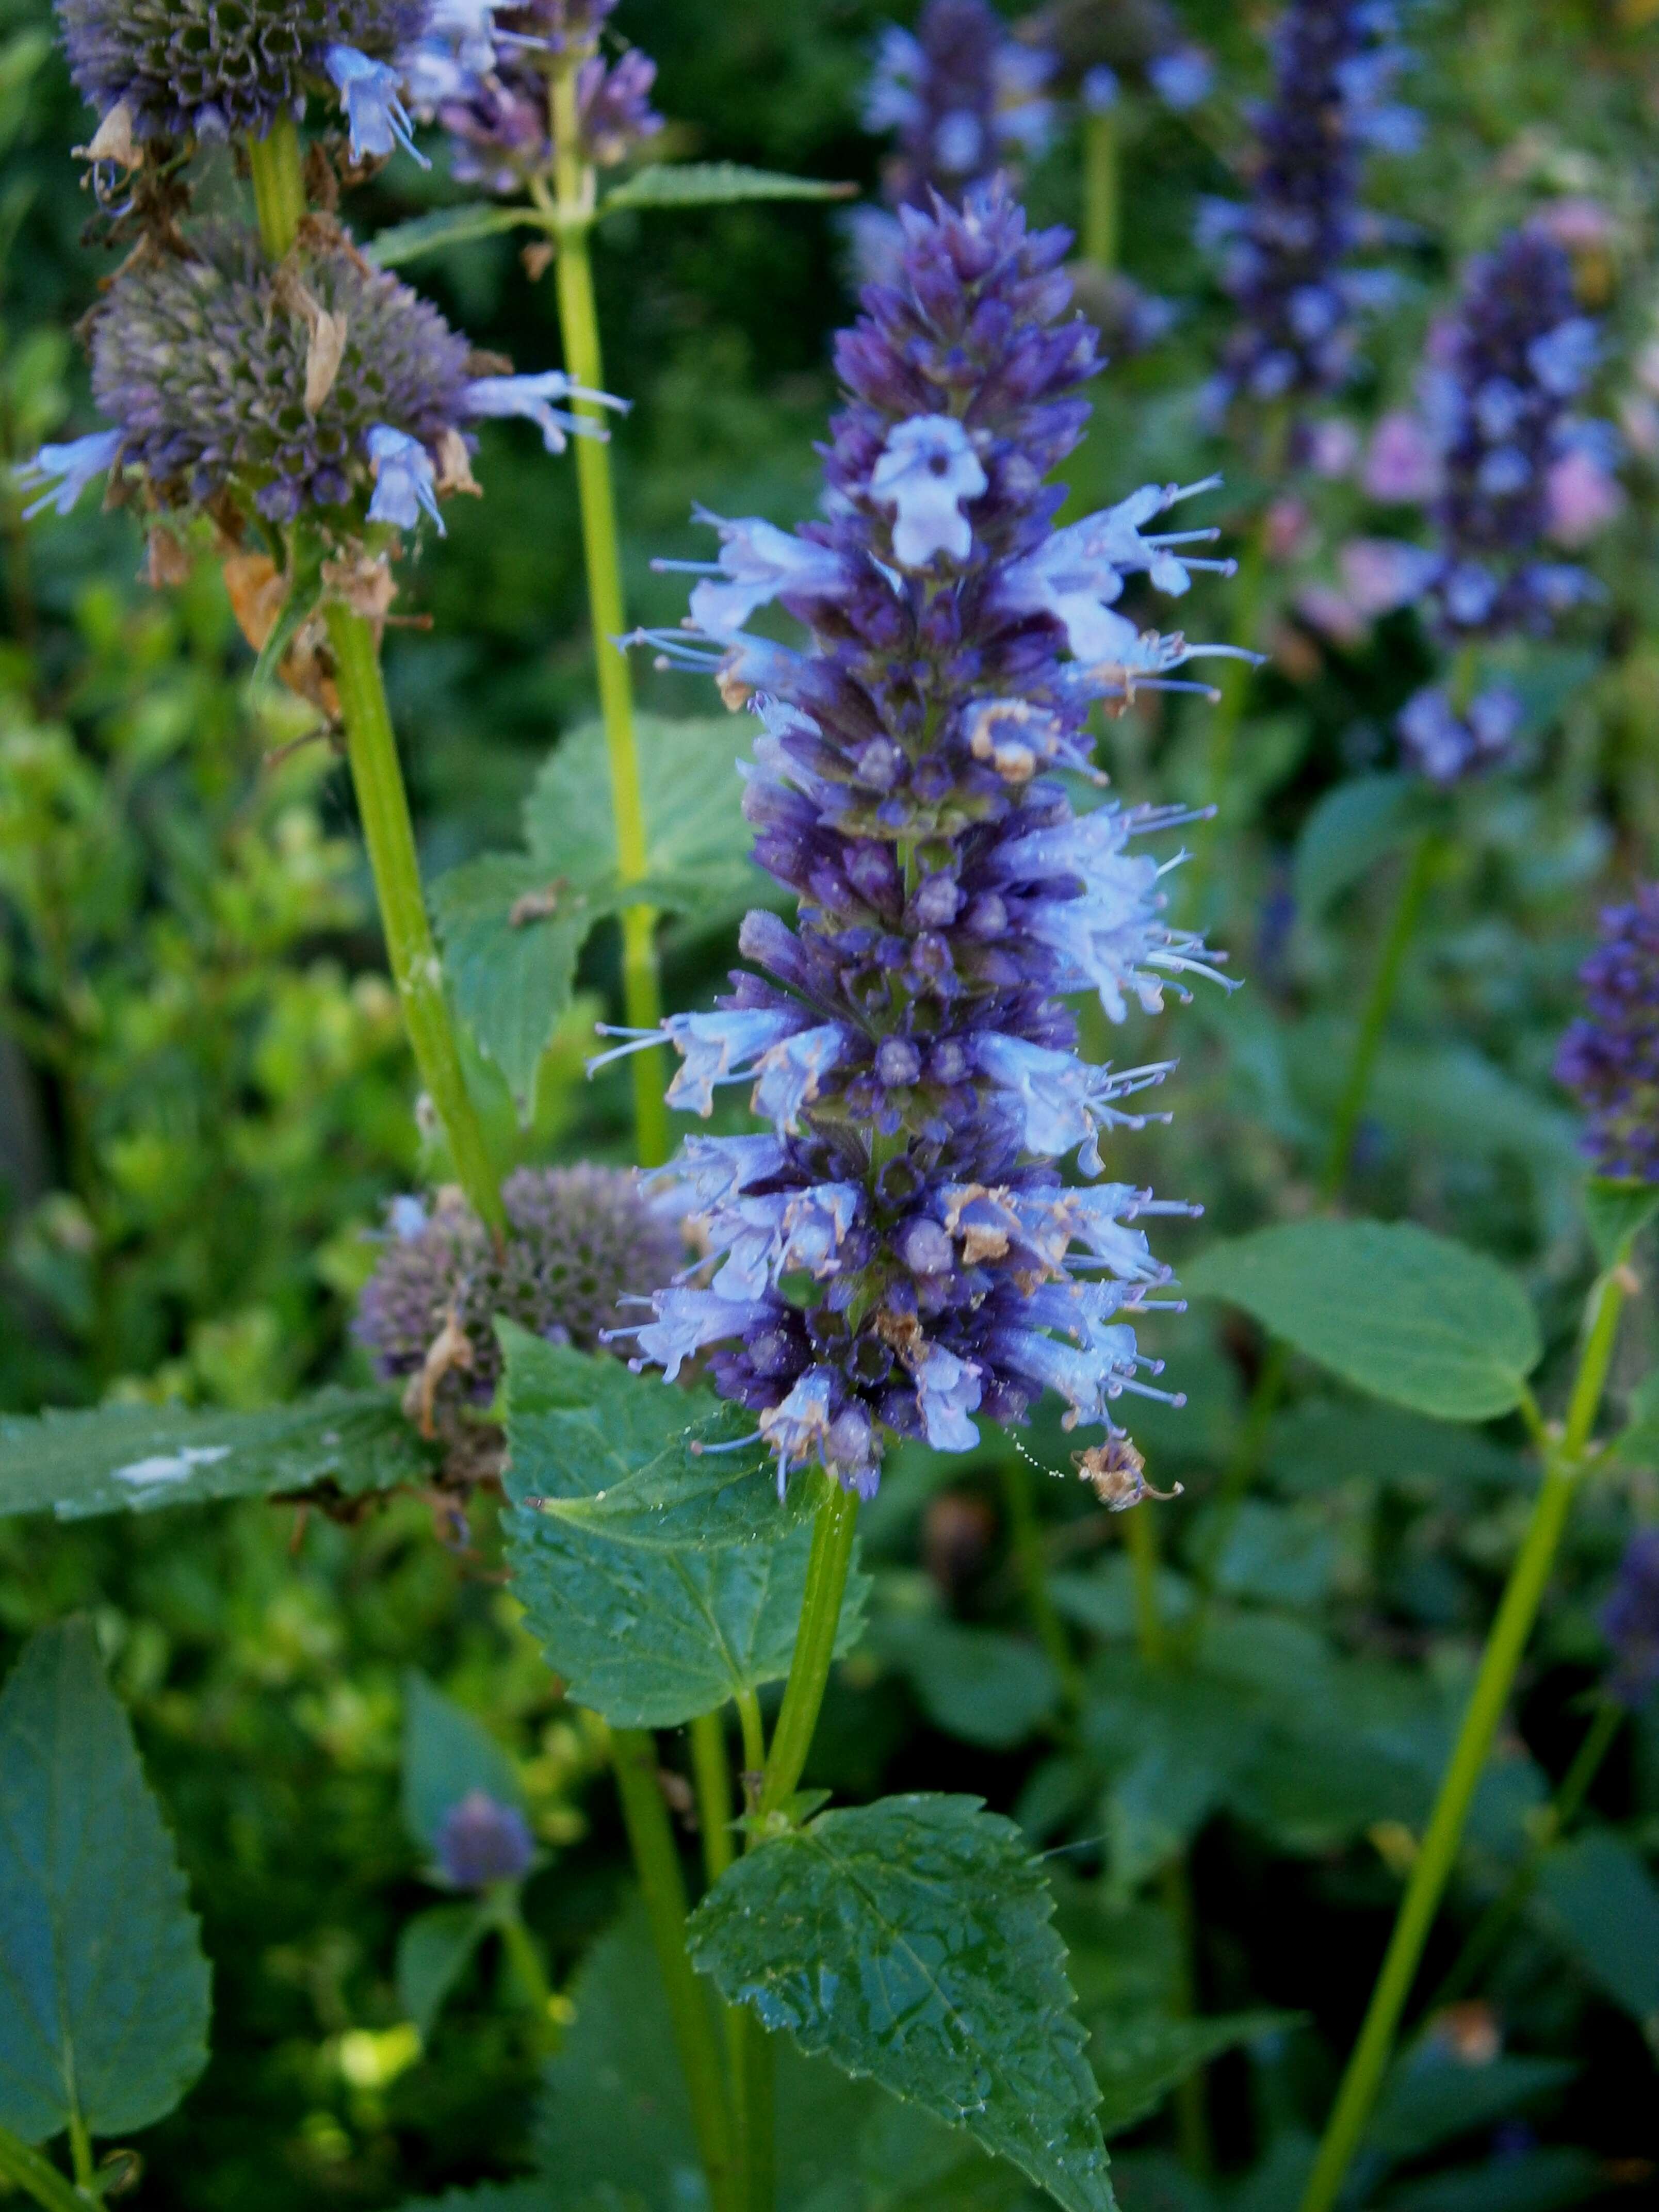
pixel 204 1101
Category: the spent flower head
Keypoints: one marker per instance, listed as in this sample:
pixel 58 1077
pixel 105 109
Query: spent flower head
pixel 218 69
pixel 908 1043
pixel 581 1241
pixel 1610 1056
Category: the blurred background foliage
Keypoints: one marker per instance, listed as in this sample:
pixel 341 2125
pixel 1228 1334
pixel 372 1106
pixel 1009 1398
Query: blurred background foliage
pixel 205 1103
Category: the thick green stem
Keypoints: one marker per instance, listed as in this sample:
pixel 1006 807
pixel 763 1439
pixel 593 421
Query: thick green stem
pixel 1026 1543
pixel 1494 1679
pixel 80 2143
pixel 1102 190
pixel 1495 1923
pixel 579 326
pixel 279 190
pixel 1374 1017
pixel 27 2170
pixel 754 1734
pixel 815 1646
pixel 383 804
pixel 634 1755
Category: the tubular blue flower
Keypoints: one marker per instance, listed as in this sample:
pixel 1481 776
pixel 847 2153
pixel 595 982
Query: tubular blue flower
pixel 66 471
pixel 370 93
pixel 405 483
pixel 482 73
pixel 1610 1057
pixel 1289 249
pixel 1630 1621
pixel 1446 747
pixel 927 469
pixel 906 1039
pixel 530 399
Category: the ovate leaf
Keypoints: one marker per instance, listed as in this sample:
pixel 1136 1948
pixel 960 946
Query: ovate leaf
pixel 447 1754
pixel 1601 1904
pixel 126 1459
pixel 433 1951
pixel 715 184
pixel 1616 1212
pixel 1350 829
pixel 511 928
pixel 981 1683
pixel 697 842
pixel 657 1582
pixel 910 1940
pixel 452 226
pixel 103 1987
pixel 1405 1315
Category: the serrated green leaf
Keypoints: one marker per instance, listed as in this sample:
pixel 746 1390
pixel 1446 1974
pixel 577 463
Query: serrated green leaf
pixel 103 1988
pixel 128 1459
pixel 981 1683
pixel 1601 1904
pixel 1138 2062
pixel 1616 1213
pixel 682 1585
pixel 1352 828
pixel 1405 1315
pixel 910 1940
pixel 433 1951
pixel 452 226
pixel 511 928
pixel 697 842
pixel 714 183
pixel 611 1453
pixel 447 1754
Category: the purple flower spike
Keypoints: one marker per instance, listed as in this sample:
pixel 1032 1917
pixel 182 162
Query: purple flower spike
pixel 962 96
pixel 1630 1621
pixel 899 1256
pixel 481 1841
pixel 1610 1057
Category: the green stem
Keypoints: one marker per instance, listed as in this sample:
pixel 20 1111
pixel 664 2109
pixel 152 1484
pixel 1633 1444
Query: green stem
pixel 1374 1017
pixel 1140 1540
pixel 1102 190
pixel 753 2059
pixel 80 2143
pixel 26 2169
pixel 524 1959
pixel 714 1782
pixel 279 188
pixel 579 326
pixel 815 1646
pixel 1027 1546
pixel 1234 684
pixel 1494 1679
pixel 383 804
pixel 754 1732
pixel 1494 1923
pixel 634 1756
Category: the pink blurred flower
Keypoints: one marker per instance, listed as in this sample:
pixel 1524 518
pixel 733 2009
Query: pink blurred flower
pixel 1581 497
pixel 1580 225
pixel 1332 447
pixel 1285 529
pixel 1402 463
pixel 1326 610
pixel 1382 574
